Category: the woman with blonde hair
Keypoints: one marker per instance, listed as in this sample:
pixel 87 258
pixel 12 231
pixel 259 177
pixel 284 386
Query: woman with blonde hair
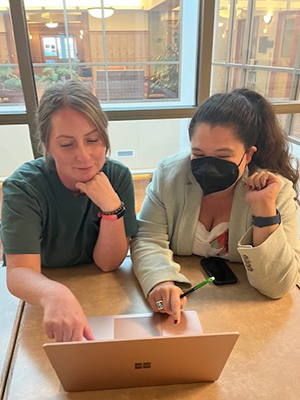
pixel 72 206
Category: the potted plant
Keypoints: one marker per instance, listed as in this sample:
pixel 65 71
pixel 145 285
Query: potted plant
pixel 165 78
pixel 10 85
pixel 52 75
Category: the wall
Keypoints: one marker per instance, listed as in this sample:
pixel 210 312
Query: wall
pixel 15 148
pixel 121 21
pixel 150 140
pixel 2 26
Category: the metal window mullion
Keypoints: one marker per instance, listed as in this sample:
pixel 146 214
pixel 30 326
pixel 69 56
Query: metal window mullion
pixel 13 119
pixel 170 113
pixel 18 19
pixel 288 124
pixel 230 33
pixel 67 35
pixel 287 108
pixel 102 64
pixel 180 48
pixel 227 75
pixel 257 66
pixel 217 7
pixel 294 93
pixel 295 79
pixel 205 49
pixel 294 140
pixel 291 117
pixel 105 51
pixel 165 113
pixel 247 40
pixel 229 43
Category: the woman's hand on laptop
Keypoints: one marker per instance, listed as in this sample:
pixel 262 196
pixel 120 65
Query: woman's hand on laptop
pixel 165 298
pixel 64 319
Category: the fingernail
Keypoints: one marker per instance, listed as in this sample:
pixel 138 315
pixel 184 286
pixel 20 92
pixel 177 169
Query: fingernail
pixel 175 321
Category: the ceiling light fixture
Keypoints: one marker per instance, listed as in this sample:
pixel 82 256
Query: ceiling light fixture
pixel 97 12
pixel 51 24
pixel 268 17
pixel 225 13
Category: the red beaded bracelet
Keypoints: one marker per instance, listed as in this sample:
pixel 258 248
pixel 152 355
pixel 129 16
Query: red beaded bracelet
pixel 113 215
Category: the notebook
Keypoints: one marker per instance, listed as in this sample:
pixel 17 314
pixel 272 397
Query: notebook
pixel 141 350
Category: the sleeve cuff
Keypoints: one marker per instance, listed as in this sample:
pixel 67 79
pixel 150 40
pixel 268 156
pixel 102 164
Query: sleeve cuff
pixel 179 279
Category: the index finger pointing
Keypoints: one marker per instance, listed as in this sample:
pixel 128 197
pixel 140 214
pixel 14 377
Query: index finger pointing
pixel 175 306
pixel 87 333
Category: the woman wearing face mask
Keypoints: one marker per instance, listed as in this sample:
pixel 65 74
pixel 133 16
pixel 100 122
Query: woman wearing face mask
pixel 233 196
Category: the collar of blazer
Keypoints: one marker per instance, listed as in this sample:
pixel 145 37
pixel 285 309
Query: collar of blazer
pixel 240 218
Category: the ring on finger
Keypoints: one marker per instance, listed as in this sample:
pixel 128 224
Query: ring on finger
pixel 160 305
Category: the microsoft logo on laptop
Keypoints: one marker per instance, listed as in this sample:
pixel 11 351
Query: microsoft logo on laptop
pixel 142 365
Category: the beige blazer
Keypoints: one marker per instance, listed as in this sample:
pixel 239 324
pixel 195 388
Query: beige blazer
pixel 167 224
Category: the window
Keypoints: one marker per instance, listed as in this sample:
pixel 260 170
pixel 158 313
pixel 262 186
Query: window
pixel 134 53
pixel 256 45
pixel 59 47
pixel 139 57
pixel 11 93
pixel 291 125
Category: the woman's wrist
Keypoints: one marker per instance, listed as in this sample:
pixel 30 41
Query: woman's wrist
pixel 263 210
pixel 262 222
pixel 161 284
pixel 111 205
pixel 54 292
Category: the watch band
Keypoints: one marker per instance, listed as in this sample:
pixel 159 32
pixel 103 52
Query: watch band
pixel 113 215
pixel 262 222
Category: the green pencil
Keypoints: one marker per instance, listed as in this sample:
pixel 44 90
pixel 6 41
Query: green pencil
pixel 209 280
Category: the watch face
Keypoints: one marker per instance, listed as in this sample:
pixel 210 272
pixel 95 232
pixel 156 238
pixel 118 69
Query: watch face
pixel 121 213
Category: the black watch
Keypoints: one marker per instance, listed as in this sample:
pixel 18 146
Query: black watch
pixel 261 222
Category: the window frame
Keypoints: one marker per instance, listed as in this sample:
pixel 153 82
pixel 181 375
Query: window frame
pixel 203 73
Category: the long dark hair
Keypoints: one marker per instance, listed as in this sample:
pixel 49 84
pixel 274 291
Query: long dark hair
pixel 254 122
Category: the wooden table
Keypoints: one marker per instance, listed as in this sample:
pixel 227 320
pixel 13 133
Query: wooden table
pixel 264 365
pixel 10 314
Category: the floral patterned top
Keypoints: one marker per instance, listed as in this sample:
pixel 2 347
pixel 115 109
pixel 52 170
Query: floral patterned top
pixel 212 243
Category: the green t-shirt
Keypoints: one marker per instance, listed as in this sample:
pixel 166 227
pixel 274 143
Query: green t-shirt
pixel 41 216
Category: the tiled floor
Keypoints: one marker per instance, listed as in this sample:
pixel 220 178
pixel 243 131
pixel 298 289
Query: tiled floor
pixel 140 184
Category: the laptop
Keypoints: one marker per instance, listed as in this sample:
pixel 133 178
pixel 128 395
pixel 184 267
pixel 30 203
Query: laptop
pixel 141 350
